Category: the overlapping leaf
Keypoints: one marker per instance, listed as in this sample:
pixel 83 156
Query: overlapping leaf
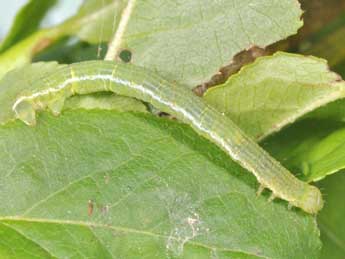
pixel 275 91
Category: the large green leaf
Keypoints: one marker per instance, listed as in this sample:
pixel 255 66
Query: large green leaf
pixel 332 216
pixel 275 91
pixel 188 41
pixel 117 185
pixel 169 36
pixel 26 22
pixel 334 111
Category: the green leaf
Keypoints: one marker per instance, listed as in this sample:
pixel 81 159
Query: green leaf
pixel 107 185
pixel 188 41
pixel 331 218
pixel 26 22
pixel 169 36
pixel 275 91
pixel 334 111
pixel 311 148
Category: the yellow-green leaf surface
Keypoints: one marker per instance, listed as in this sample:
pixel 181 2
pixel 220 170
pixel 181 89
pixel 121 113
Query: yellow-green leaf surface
pixel 275 91
pixel 101 184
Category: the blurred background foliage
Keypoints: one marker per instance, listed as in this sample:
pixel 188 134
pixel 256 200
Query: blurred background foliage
pixel 322 35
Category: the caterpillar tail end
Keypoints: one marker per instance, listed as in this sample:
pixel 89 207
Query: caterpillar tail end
pixel 25 111
pixel 311 201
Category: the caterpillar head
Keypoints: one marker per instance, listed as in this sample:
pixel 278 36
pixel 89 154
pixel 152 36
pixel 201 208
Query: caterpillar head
pixel 311 200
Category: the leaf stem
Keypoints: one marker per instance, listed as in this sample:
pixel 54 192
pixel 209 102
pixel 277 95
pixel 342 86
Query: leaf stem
pixel 116 42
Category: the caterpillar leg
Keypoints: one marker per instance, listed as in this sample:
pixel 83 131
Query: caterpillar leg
pixel 260 190
pixel 272 197
pixel 56 105
pixel 290 206
pixel 26 113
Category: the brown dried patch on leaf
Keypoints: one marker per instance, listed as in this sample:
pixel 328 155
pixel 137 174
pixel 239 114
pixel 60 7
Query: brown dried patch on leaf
pixel 242 58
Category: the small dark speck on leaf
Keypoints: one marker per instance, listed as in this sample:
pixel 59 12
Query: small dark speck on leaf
pixel 104 209
pixel 125 55
pixel 90 208
pixel 166 115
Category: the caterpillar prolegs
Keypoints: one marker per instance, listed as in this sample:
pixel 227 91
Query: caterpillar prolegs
pixel 133 81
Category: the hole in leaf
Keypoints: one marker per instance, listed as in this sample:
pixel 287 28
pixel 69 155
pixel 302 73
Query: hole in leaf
pixel 125 55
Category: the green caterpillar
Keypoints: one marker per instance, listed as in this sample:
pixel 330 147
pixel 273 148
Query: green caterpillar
pixel 133 81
